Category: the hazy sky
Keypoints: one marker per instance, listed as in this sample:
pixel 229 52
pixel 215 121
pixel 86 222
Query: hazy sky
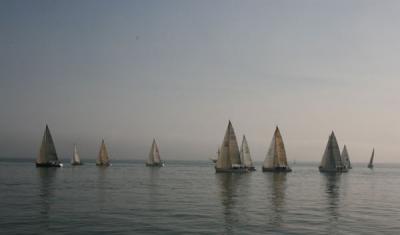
pixel 129 71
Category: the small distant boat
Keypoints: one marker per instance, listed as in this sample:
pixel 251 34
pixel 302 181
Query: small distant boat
pixel 229 158
pixel 103 159
pixel 154 159
pixel 371 161
pixel 214 160
pixel 346 158
pixel 48 154
pixel 332 160
pixel 276 160
pixel 76 160
pixel 245 156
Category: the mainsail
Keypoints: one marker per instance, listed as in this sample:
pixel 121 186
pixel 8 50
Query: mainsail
pixel 75 157
pixel 371 161
pixel 103 155
pixel 245 156
pixel 154 155
pixel 47 153
pixel 331 160
pixel 276 156
pixel 346 158
pixel 229 154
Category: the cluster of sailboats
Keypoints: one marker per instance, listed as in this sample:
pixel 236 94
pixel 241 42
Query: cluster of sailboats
pixel 48 155
pixel 230 158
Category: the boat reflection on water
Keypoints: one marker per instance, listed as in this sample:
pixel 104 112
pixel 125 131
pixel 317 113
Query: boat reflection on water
pixel 46 178
pixel 153 189
pixel 228 184
pixel 277 183
pixel 102 186
pixel 332 182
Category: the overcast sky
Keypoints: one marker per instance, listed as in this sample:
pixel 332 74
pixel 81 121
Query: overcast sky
pixel 128 71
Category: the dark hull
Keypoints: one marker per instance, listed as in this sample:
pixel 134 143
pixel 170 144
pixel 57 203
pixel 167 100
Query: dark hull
pixel 277 169
pixel 370 166
pixel 103 164
pixel 251 168
pixel 337 170
pixel 76 164
pixel 155 164
pixel 232 170
pixel 47 165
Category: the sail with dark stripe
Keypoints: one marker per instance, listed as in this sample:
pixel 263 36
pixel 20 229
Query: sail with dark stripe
pixel 154 158
pixel 245 156
pixel 276 159
pixel 229 157
pixel 332 160
pixel 346 158
pixel 47 154
pixel 103 158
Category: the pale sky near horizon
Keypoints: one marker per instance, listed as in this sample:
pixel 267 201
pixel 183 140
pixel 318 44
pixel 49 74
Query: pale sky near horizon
pixel 128 71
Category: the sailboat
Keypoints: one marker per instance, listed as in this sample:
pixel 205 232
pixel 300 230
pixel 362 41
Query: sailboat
pixel 346 158
pixel 47 155
pixel 331 160
pixel 103 159
pixel 154 159
pixel 371 161
pixel 76 160
pixel 214 160
pixel 245 156
pixel 276 160
pixel 229 157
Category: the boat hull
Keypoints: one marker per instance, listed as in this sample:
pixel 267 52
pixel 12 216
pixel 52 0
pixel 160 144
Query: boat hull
pixel 76 164
pixel 277 169
pixel 337 170
pixel 155 164
pixel 103 164
pixel 370 166
pixel 232 170
pixel 251 168
pixel 48 164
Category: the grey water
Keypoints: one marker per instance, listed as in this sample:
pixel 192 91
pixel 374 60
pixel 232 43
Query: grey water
pixel 189 198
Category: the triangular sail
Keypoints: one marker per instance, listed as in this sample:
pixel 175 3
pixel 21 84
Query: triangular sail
pixel 156 153
pixel 103 155
pixel 229 154
pixel 346 158
pixel 150 159
pixel 245 156
pixel 331 159
pixel 75 157
pixel 371 161
pixel 276 156
pixel 47 151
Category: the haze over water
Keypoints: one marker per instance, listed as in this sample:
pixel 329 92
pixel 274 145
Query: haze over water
pixel 128 71
pixel 177 71
pixel 189 198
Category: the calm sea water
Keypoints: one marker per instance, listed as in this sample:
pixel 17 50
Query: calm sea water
pixel 189 198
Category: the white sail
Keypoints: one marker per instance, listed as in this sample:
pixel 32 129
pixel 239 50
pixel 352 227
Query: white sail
pixel 229 154
pixel 276 156
pixel 154 158
pixel 156 153
pixel 245 156
pixel 332 160
pixel 75 157
pixel 47 151
pixel 103 158
pixel 346 158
